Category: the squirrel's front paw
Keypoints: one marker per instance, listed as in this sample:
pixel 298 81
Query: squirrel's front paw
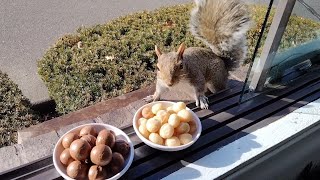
pixel 148 98
pixel 203 102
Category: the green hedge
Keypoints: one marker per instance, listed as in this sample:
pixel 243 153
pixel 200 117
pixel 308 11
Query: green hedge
pixel 15 112
pixel 118 57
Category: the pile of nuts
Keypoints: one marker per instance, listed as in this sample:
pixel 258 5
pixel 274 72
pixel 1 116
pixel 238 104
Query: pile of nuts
pixel 169 126
pixel 93 155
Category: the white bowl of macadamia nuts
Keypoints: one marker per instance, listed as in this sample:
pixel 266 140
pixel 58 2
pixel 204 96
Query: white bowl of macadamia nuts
pixel 93 151
pixel 167 126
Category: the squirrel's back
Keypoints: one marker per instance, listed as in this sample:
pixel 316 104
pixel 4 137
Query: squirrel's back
pixel 222 25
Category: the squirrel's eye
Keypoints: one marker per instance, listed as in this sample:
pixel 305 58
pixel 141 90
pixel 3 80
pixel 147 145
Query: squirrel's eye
pixel 181 66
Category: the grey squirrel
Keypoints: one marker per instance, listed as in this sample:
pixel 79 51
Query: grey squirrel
pixel 221 25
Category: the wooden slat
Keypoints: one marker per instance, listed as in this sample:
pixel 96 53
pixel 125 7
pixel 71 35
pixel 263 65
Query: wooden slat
pixel 144 152
pixel 212 127
pixel 218 103
pixel 243 131
pixel 31 168
pixel 156 163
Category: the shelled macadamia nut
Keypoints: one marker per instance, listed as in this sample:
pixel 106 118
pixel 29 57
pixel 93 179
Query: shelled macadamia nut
pixel 156 138
pixel 153 125
pixel 147 113
pixel 185 115
pixel 166 131
pixel 157 107
pixel 144 131
pixel 172 141
pixel 178 106
pixel 174 120
pixel 185 138
pixel 183 128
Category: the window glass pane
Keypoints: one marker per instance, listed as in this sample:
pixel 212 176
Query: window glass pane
pixel 300 45
pixel 298 51
pixel 259 12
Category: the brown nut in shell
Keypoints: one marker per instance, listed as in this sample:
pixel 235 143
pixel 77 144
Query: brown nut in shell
pixel 106 137
pixel 97 173
pixel 77 170
pixel 65 157
pixel 122 147
pixel 115 169
pixel 101 155
pixel 90 139
pixel 117 160
pixel 80 149
pixel 68 139
pixel 117 163
pixel 88 130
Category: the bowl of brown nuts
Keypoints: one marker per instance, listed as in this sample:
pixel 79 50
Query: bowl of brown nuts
pixel 93 151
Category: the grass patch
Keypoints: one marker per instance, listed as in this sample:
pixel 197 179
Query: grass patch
pixel 118 57
pixel 15 111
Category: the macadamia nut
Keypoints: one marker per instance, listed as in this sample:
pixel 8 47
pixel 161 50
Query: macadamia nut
pixel 163 116
pixel 170 110
pixel 185 115
pixel 142 121
pixel 157 107
pixel 166 131
pixel 143 130
pixel 193 127
pixel 153 125
pixel 183 128
pixel 179 106
pixel 185 138
pixel 173 141
pixel 156 138
pixel 147 113
pixel 174 120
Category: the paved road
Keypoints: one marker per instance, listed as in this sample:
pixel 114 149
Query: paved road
pixel 30 27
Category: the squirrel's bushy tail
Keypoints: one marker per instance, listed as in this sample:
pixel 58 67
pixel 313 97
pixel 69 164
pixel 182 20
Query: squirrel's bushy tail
pixel 222 25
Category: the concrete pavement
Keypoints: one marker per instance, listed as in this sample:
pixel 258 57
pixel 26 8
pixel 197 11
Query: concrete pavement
pixel 29 28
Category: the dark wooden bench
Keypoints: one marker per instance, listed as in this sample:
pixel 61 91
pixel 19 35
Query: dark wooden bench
pixel 225 121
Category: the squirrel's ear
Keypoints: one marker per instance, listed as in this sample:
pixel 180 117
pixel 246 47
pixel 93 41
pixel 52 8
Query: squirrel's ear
pixel 158 52
pixel 181 49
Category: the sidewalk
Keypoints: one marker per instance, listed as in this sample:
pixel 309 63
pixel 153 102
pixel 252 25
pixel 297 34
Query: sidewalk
pixel 29 28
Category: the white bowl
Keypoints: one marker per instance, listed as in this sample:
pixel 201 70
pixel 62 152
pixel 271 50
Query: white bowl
pixel 195 136
pixel 119 135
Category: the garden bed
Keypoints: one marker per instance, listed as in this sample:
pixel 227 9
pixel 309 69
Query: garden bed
pixel 107 60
